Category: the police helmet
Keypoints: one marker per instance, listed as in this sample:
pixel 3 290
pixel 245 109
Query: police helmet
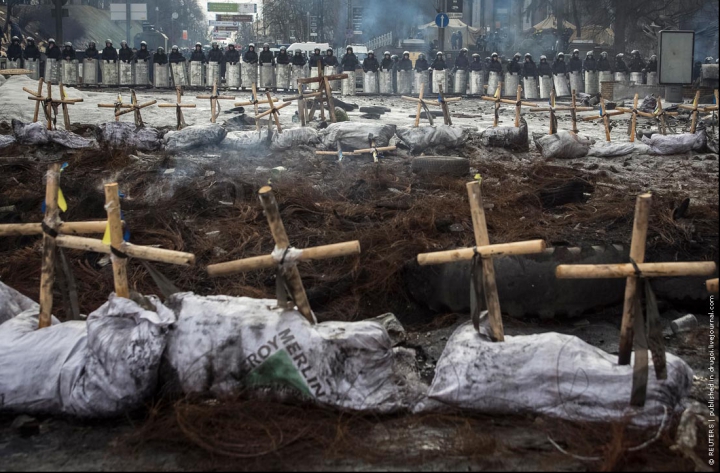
pixel 516 55
pixel 251 45
pixel 543 58
pixel 439 53
pixel 476 56
pixel 68 44
pixel 406 53
pixel 266 45
pixel 576 51
pixel 494 55
pixel 464 50
pixel 589 54
pixel 51 41
pixel 561 55
pixel 283 48
pixel 174 48
pixel 603 54
pixel 386 53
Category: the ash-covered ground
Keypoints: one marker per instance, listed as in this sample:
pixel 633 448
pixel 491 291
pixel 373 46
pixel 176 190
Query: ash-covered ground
pixel 205 201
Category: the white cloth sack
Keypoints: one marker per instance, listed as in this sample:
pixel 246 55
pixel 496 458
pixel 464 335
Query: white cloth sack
pixel 101 367
pixel 245 140
pixel 562 145
pixel 6 140
pixel 676 144
pixel 608 150
pixel 223 344
pixel 352 135
pixel 423 137
pixel 194 136
pixel 13 303
pixel 293 137
pixel 127 135
pixel 552 374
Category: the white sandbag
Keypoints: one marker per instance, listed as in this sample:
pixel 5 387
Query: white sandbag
pixel 294 137
pixel 510 137
pixel 562 145
pixel 194 136
pixel 6 140
pixel 70 140
pixel 13 303
pixel 352 135
pixel 552 374
pixel 676 144
pixel 126 135
pixel 604 149
pixel 104 367
pixel 222 345
pixel 245 140
pixel 420 138
pixel 30 133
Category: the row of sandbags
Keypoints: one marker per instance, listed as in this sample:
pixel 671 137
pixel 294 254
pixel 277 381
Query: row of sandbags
pixel 222 345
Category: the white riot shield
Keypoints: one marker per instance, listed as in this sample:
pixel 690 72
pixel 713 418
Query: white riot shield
pixel 329 71
pixel 546 87
pixel 13 64
pixel 512 80
pixel 179 74
pixel 605 76
pixel 34 66
pixel 248 75
pixel 142 74
pixel 212 74
pixel 52 71
pixel 90 72
pixel 477 83
pixel 297 72
pixel 282 76
pixel 494 78
pixel 421 79
pixel 370 83
pixel 530 87
pixel 460 82
pixel 592 86
pixel 651 78
pixel 636 78
pixel 197 74
pixel 404 82
pixel 348 85
pixel 125 73
pixel 232 75
pixel 385 82
pixel 622 77
pixel 161 76
pixel 267 76
pixel 69 72
pixel 576 82
pixel 561 85
pixel 314 73
pixel 439 78
pixel 109 73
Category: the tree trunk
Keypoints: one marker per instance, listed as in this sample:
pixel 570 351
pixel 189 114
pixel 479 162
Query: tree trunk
pixel 620 25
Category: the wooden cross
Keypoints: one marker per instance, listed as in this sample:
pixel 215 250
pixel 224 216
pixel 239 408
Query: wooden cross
pixel 552 109
pixel 302 110
pixel 659 115
pixel 178 107
pixel 497 99
pixel 423 104
pixel 325 88
pixel 696 110
pixel 214 97
pixel 340 153
pixel 605 116
pixel 633 326
pixel 275 111
pixel 115 105
pixel 50 104
pixel 135 108
pixel 284 257
pixel 486 252
pixel 633 121
pixel 256 102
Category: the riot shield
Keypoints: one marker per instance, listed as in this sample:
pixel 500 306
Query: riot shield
pixel 477 83
pixel 652 78
pixel 69 72
pixel 52 71
pixel 636 78
pixel 460 82
pixel 179 74
pixel 421 81
pixel 404 82
pixel 267 76
pixel 512 80
pixel 370 83
pixel 546 87
pixel 197 75
pixel 232 75
pixel 297 72
pixel 90 71
pixel 212 74
pixel 561 85
pixel 494 79
pixel 34 66
pixel 576 82
pixel 249 75
pixel 530 87
pixel 142 74
pixel 348 85
pixel 109 73
pixel 592 86
pixel 161 76
pixel 385 83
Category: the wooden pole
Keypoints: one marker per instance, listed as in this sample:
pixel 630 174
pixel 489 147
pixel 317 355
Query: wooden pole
pixel 606 119
pixel 419 107
pixel 637 254
pixel 573 113
pixel 648 270
pixel 482 239
pixel 292 275
pixel 66 114
pixel 466 254
pixel 518 104
pixel 633 120
pixel 712 286
pixel 65 228
pixel 37 103
pixel 48 106
pixel 255 103
pixel 149 253
pixel 52 218
pixel 693 123
pixel 118 257
pixel 663 128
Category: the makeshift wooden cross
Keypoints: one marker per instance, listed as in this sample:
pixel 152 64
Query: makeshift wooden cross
pixel 302 110
pixel 659 115
pixel 275 111
pixel 115 105
pixel 497 99
pixel 552 109
pixel 441 102
pixel 633 121
pixel 605 116
pixel 325 88
pixel 178 107
pixel 50 104
pixel 486 251
pixel 340 153
pixel 633 326
pixel 214 104
pixel 256 102
pixel 284 257
pixel 134 107
pixel 695 108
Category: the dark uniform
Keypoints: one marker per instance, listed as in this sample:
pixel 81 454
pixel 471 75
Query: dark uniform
pixel 476 64
pixel 421 64
pixel 125 54
pixel 590 64
pixel 52 51
pixel 143 54
pixel 313 61
pixel 370 64
pixel 559 66
pixel 68 53
pixel 14 51
pixel 405 64
pixel 298 59
pixel 514 66
pixel 176 57
pixel 544 68
pixel 603 65
pixel 636 63
pixel 529 69
pixel 109 53
pixel 160 57
pixel 495 65
pixel 250 56
pixel 350 62
pixel 215 54
pixel 91 52
pixel 329 60
pixel 232 55
pixel 620 65
pixel 198 55
pixel 282 57
pixel 439 63
pixel 266 56
pixel 575 64
pixel 462 62
pixel 31 51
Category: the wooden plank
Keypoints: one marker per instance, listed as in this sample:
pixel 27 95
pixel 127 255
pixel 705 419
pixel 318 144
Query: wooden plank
pixel 52 219
pixel 119 264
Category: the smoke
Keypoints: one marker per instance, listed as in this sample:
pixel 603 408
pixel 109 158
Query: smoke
pixel 45 24
pixel 379 17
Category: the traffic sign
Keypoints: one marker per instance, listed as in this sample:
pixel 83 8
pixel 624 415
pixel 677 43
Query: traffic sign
pixel 238 18
pixel 442 20
pixel 223 23
pixel 246 8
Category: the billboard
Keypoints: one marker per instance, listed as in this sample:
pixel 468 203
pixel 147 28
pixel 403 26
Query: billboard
pixel 237 18
pixel 243 8
pixel 138 12
pixel 675 61
pixel 454 8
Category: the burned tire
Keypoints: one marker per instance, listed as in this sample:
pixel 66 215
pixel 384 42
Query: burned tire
pixel 441 165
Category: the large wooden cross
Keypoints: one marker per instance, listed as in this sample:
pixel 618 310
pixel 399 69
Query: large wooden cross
pixel 214 104
pixel 178 106
pixel 50 104
pixel 695 108
pixel 518 103
pixel 487 252
pixel 284 257
pixel 605 116
pixel 340 153
pixel 633 326
pixel 302 109
pixel 441 102
pixel 255 102
pixel 275 111
pixel 132 107
pixel 552 109
pixel 116 106
pixel 325 88
pixel 658 114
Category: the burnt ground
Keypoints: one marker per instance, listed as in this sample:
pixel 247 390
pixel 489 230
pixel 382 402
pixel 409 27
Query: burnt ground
pixel 206 203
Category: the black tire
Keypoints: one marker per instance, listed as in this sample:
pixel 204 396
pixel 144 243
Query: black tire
pixel 374 109
pixel 441 165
